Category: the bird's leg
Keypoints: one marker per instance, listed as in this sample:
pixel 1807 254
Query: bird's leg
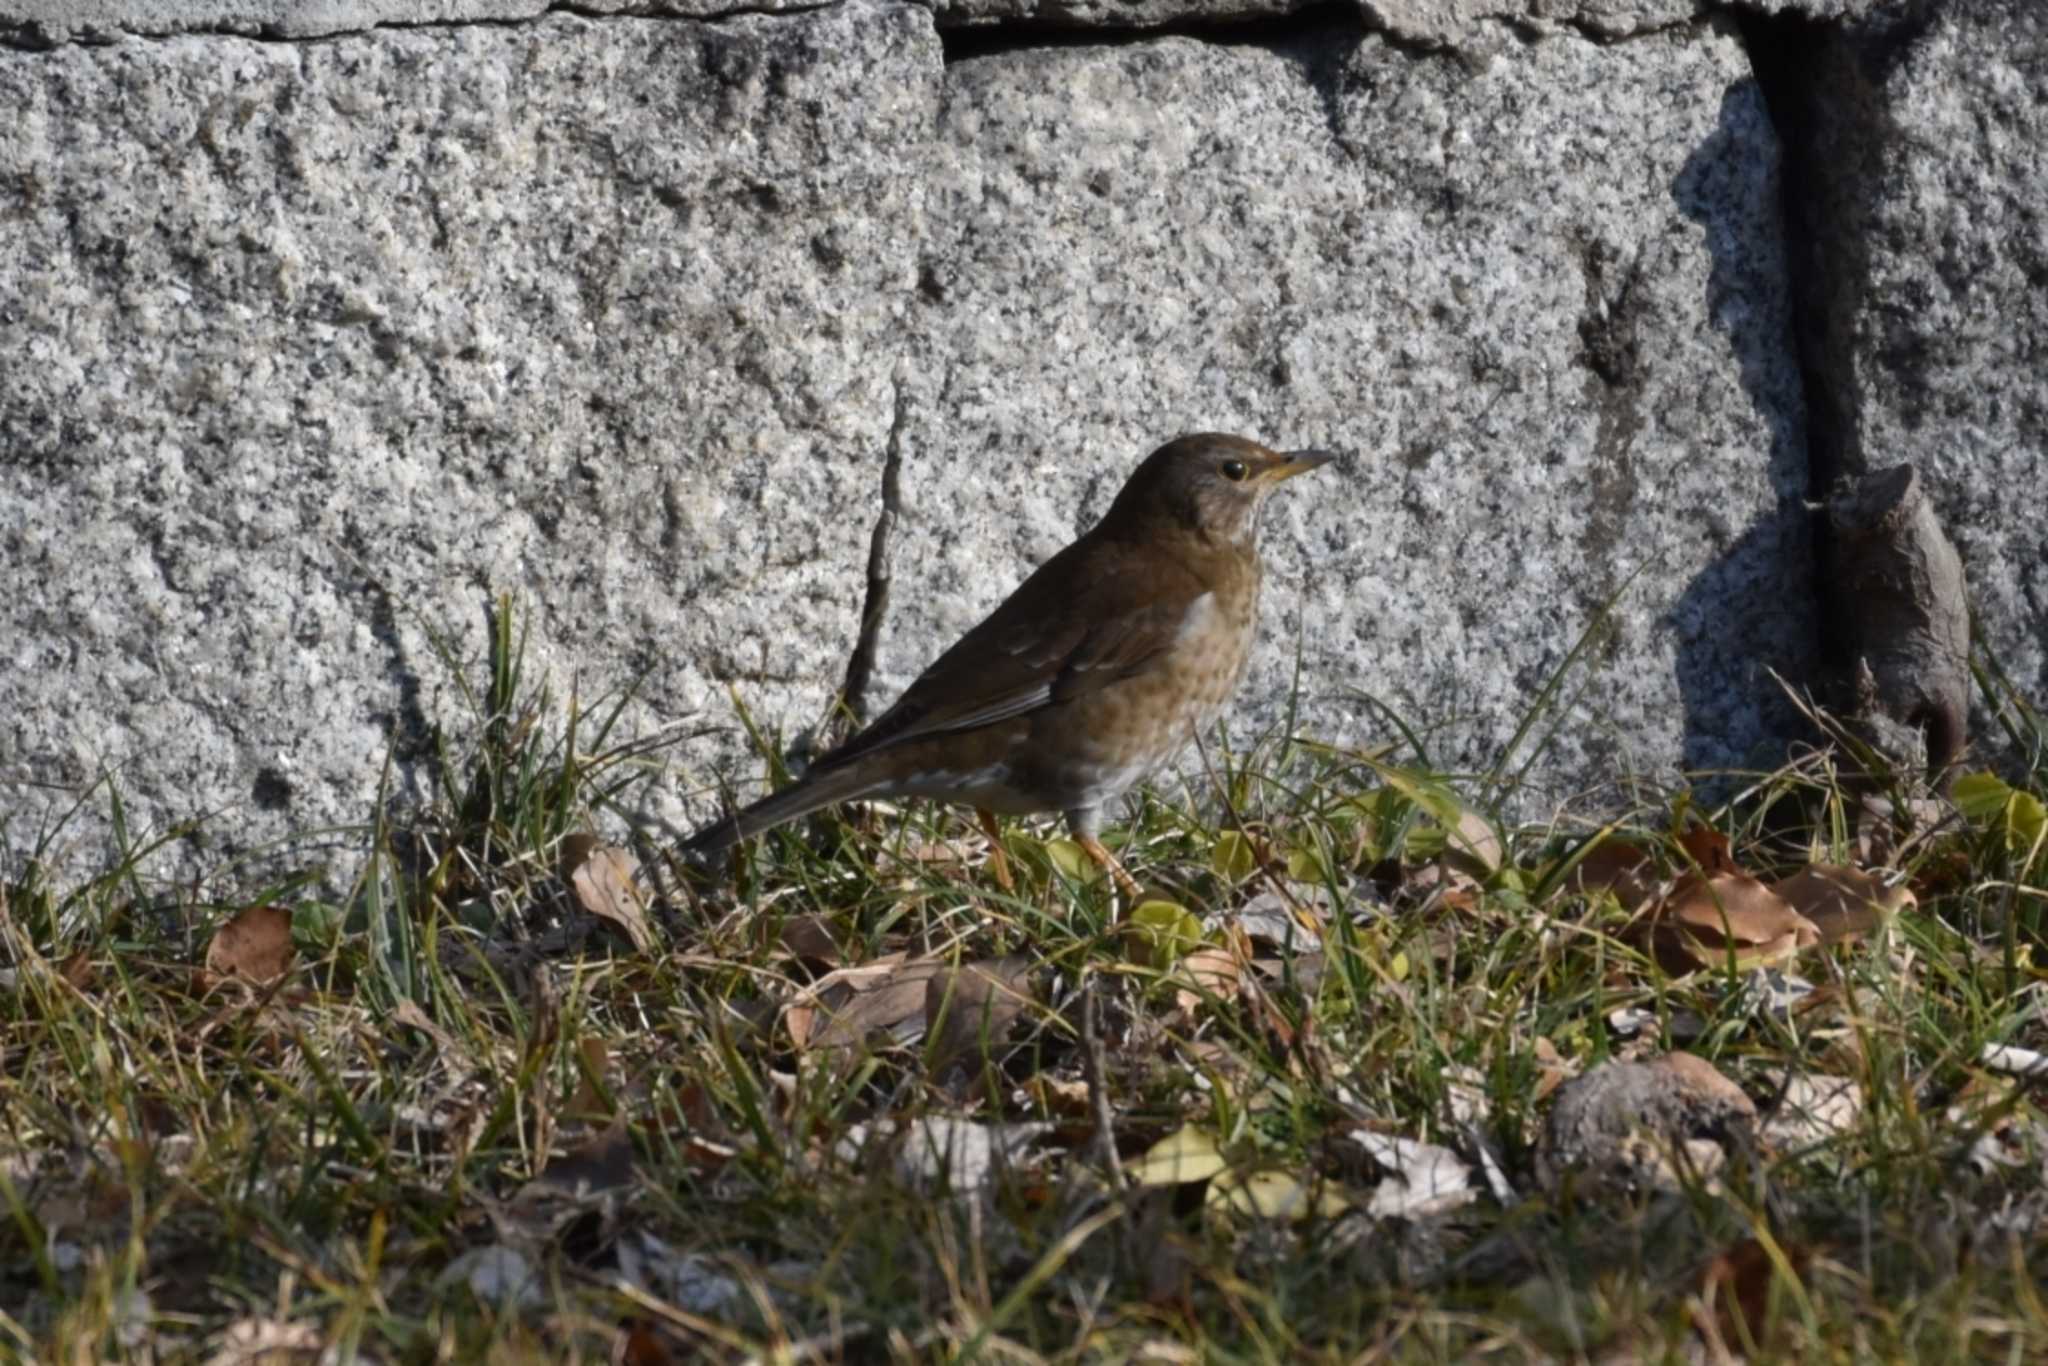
pixel 998 861
pixel 1106 861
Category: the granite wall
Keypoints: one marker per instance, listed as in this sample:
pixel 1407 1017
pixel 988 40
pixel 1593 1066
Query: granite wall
pixel 695 328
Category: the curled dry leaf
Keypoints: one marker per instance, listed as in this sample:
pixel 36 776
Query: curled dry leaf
pixel 1627 870
pixel 255 945
pixel 938 1153
pixel 1472 846
pixel 605 879
pixel 1710 849
pixel 812 937
pixel 1734 1311
pixel 1707 918
pixel 1843 903
pixel 968 1011
pixel 1812 1108
pixel 1203 977
pixel 842 1008
pixel 1294 922
pixel 1421 1179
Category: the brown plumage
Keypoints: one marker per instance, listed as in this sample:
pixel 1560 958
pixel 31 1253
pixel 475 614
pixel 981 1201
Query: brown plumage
pixel 1087 678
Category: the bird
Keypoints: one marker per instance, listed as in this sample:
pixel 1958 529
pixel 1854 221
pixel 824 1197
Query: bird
pixel 1088 678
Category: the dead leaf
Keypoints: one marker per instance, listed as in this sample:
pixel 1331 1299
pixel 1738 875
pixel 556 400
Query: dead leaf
pixel 640 1343
pixel 1421 1179
pixel 1273 1195
pixel 264 1342
pixel 1736 1291
pixel 255 944
pixel 1472 846
pixel 1204 977
pixel 1181 1158
pixel 591 1175
pixel 1710 849
pixel 1059 1095
pixel 588 1102
pixel 1812 1108
pixel 968 1010
pixel 606 882
pixel 945 1153
pixel 1708 918
pixel 1843 903
pixel 600 1163
pixel 498 1275
pixel 842 1008
pixel 1552 1069
pixel 1627 870
pixel 1292 922
pixel 812 937
pixel 409 1014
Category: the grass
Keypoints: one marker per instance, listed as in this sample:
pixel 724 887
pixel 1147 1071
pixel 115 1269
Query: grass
pixel 475 1121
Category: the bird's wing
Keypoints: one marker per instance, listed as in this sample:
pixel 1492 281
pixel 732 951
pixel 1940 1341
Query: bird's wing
pixel 1061 635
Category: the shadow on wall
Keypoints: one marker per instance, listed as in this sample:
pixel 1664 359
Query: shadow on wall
pixel 1753 606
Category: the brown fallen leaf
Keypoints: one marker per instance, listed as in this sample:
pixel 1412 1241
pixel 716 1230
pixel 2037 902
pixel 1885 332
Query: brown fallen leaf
pixel 811 937
pixel 1733 1313
pixel 1710 849
pixel 640 1343
pixel 255 944
pixel 1204 977
pixel 1708 918
pixel 1843 903
pixel 968 1010
pixel 605 879
pixel 588 1103
pixel 1625 869
pixel 1472 847
pixel 843 1007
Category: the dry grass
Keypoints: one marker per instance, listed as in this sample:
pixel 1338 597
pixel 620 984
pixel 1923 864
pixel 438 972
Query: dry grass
pixel 474 1119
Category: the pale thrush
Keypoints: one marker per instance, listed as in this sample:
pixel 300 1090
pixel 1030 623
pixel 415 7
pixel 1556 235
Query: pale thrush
pixel 1089 677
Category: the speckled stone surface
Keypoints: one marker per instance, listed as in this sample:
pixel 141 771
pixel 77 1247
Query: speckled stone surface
pixel 323 325
pixel 314 348
pixel 1550 328
pixel 1928 214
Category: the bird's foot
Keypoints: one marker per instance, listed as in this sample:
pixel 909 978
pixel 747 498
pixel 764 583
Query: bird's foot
pixel 1106 861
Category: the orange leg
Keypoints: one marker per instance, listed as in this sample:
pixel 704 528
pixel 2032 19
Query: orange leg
pixel 998 861
pixel 1106 861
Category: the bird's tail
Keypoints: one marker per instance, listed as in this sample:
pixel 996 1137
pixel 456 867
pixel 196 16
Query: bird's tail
pixel 798 799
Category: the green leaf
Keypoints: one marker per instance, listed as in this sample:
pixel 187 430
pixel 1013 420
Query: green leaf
pixel 1306 865
pixel 1070 859
pixel 1232 858
pixel 1981 796
pixel 1164 930
pixel 1988 800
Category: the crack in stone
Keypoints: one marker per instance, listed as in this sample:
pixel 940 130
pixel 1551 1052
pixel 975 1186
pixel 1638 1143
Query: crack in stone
pixel 860 665
pixel 1284 33
pixel 30 35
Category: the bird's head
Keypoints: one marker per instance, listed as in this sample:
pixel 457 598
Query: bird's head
pixel 1208 483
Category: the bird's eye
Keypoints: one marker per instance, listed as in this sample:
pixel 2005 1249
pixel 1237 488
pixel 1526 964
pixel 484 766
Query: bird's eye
pixel 1233 470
